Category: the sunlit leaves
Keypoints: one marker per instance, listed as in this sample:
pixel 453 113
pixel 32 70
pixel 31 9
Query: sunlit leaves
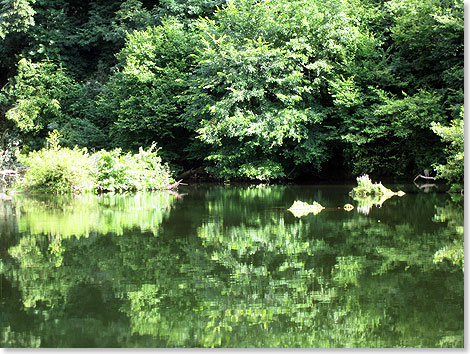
pixel 16 16
pixel 144 96
pixel 259 86
pixel 453 136
pixel 38 95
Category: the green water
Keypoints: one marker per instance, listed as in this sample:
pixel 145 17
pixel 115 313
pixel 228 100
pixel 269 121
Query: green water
pixel 229 266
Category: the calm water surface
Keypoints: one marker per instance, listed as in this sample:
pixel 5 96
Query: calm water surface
pixel 230 266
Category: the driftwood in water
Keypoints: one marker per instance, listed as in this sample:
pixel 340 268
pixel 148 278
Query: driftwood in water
pixel 175 185
pixel 19 170
pixel 427 186
pixel 426 176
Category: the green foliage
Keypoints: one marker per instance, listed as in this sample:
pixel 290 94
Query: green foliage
pixel 38 97
pixel 260 83
pixel 81 35
pixel 267 90
pixel 394 135
pixel 365 187
pixel 413 77
pixel 84 126
pixel 131 16
pixel 129 172
pixel 189 9
pixel 15 16
pixel 143 97
pixel 58 170
pixel 247 125
pixel 428 40
pixel 453 136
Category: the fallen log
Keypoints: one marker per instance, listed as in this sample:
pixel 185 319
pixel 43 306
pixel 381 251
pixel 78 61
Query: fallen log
pixel 424 177
pixel 175 185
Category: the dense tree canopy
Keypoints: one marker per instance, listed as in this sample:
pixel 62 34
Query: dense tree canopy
pixel 258 90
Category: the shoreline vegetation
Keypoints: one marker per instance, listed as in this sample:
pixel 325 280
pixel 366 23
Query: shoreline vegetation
pixel 229 90
pixel 60 170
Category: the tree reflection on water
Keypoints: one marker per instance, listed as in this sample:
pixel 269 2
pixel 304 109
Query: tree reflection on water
pixel 231 267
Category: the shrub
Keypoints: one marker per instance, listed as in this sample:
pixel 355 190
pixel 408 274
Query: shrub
pixel 62 170
pixel 453 136
pixel 38 95
pixel 366 187
pixel 58 170
pixel 124 172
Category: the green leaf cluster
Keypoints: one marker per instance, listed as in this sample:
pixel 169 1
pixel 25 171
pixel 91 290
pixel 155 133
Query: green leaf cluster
pixel 116 171
pixel 453 137
pixel 38 95
pixel 143 99
pixel 59 170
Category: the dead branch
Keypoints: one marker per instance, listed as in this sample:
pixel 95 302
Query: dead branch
pixel 175 185
pixel 424 177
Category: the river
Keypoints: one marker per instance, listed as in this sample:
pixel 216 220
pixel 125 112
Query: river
pixel 229 266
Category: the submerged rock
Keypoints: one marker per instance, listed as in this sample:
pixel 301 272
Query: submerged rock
pixel 300 208
pixel 348 207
